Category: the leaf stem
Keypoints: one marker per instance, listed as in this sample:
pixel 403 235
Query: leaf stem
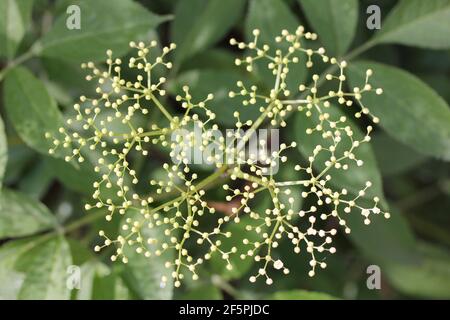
pixel 19 60
pixel 429 229
pixel 82 221
pixel 218 281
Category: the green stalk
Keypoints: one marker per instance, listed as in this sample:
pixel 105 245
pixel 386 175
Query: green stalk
pixel 19 60
pixel 161 107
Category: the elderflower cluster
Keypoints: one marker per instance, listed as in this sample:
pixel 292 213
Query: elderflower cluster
pixel 172 215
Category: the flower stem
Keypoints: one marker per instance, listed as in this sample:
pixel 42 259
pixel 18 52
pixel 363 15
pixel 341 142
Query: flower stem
pixel 291 183
pixel 161 107
pixel 354 53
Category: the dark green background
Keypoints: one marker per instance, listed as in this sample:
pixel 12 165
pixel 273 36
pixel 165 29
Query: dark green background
pixel 43 226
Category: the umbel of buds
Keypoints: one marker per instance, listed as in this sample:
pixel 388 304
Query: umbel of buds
pixel 174 215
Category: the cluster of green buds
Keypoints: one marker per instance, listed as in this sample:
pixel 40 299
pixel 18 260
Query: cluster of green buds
pixel 177 204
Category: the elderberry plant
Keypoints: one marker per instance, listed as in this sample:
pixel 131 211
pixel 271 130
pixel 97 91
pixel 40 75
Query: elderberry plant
pixel 181 216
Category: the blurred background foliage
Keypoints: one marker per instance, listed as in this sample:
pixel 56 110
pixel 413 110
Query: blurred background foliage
pixel 43 228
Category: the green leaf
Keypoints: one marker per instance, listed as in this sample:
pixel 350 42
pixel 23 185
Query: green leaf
pixel 384 241
pixel 31 109
pixel 334 21
pixel 24 267
pixel 37 180
pixel 409 110
pixel 202 292
pixel 143 275
pixel 428 279
pixel 45 267
pixel 199 24
pixel 15 17
pixel 203 82
pixel 394 157
pixel 63 97
pixel 3 152
pixel 99 282
pixel 214 59
pixel 77 176
pixel 440 82
pixel 67 75
pixel 20 215
pixel 109 285
pixel 89 271
pixel 355 177
pixel 417 23
pixel 10 278
pixel 100 30
pixel 271 17
pixel 19 158
pixel 301 295
pixel 81 254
